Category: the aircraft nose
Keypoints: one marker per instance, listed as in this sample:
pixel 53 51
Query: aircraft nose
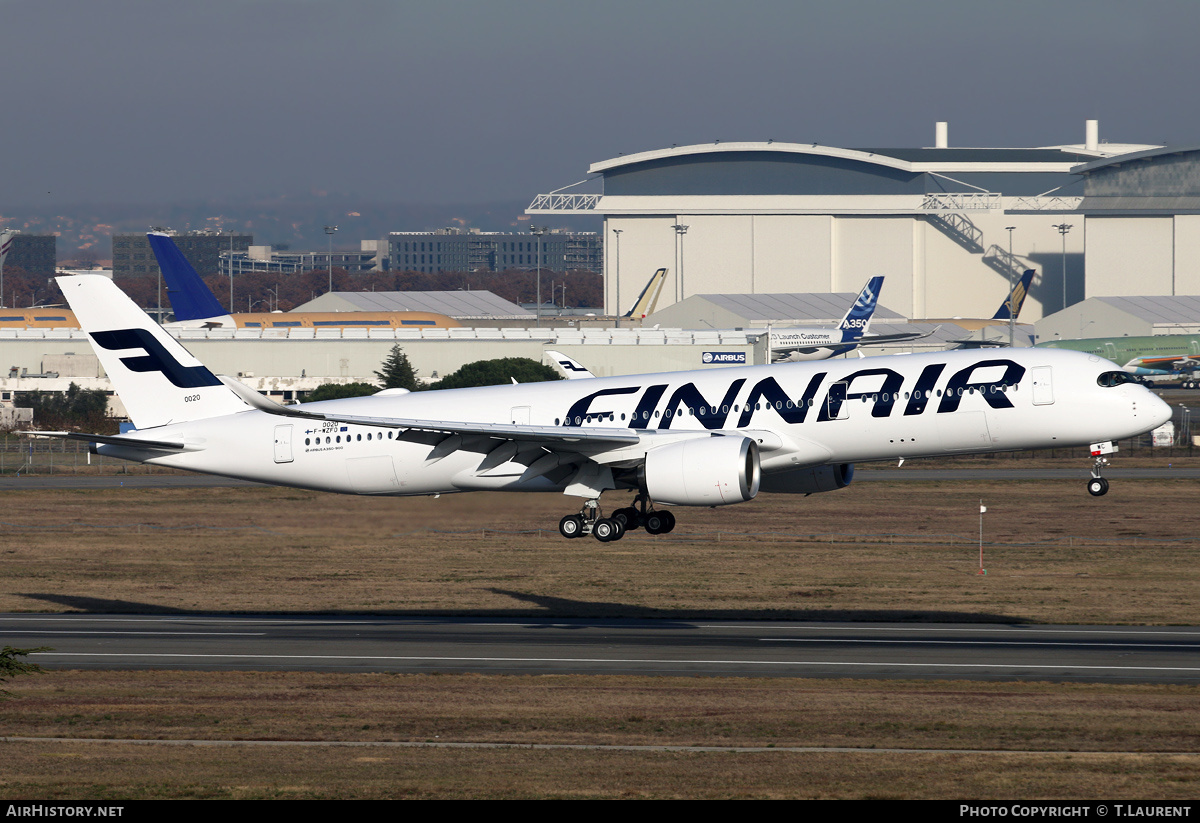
pixel 1157 409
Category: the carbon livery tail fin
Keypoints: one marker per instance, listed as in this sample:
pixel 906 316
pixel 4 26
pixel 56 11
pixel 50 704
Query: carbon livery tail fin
pixel 156 378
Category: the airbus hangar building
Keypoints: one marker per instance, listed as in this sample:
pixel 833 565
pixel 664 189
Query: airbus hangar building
pixel 947 226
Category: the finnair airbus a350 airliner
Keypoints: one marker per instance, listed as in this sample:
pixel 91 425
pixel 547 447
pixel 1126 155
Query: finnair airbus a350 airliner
pixel 706 438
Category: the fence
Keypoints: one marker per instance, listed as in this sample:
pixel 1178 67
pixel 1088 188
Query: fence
pixel 26 455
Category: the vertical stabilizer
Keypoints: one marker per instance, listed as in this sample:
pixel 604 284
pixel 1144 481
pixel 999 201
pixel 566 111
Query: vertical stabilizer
pixel 190 299
pixel 5 244
pixel 648 300
pixel 156 378
pixel 1020 291
pixel 854 325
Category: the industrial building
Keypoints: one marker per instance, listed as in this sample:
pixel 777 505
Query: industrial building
pixel 35 253
pixel 270 259
pixel 132 256
pixel 464 250
pixel 949 227
pixel 462 305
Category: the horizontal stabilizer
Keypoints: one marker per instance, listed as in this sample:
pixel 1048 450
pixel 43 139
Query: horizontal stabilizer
pixel 114 440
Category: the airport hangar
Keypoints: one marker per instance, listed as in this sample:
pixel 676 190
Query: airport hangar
pixel 771 217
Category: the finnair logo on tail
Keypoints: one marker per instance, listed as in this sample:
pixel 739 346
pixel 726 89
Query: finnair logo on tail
pixel 571 365
pixel 156 358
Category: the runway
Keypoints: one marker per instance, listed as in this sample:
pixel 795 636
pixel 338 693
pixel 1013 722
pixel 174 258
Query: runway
pixel 1110 654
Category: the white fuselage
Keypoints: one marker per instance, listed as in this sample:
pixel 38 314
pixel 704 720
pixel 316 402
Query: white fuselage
pixel 802 415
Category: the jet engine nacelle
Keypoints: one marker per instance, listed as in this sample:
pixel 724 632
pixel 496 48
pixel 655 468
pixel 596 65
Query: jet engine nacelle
pixel 810 481
pixel 712 471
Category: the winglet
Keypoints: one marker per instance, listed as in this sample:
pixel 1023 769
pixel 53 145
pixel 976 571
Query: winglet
pixel 190 299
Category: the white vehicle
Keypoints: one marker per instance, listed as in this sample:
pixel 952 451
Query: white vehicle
pixel 703 438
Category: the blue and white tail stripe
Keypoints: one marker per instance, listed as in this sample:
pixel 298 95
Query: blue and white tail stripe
pixel 854 325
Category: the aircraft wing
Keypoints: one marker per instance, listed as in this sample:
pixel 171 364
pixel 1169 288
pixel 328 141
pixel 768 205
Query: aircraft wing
pixel 968 343
pixel 434 431
pixel 1178 362
pixel 880 339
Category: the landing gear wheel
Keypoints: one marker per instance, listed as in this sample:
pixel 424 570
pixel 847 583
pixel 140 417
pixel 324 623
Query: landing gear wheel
pixel 1097 487
pixel 571 526
pixel 629 517
pixel 607 529
pixel 659 522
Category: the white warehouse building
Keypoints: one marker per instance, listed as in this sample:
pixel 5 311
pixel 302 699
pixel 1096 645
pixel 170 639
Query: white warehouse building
pixel 939 222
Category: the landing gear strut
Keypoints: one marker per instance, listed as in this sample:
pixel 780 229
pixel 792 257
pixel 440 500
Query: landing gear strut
pixel 1097 485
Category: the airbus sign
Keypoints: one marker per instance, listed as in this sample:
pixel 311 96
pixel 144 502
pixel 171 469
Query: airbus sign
pixel 723 357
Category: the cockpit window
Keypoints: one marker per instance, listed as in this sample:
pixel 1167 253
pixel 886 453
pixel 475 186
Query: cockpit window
pixel 1109 379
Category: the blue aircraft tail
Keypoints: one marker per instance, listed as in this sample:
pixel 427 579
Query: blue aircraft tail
pixel 1018 298
pixel 190 299
pixel 858 318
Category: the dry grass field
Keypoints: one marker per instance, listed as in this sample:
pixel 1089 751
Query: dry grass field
pixel 878 550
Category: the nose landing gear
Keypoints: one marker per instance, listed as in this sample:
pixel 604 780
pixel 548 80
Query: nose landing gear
pixel 1097 486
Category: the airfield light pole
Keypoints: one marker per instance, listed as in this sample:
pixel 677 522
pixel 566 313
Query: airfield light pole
pixel 231 271
pixel 1012 287
pixel 329 230
pixel 539 231
pixel 617 277
pixel 1063 228
pixel 680 231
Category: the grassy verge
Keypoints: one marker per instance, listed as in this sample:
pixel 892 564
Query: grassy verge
pixel 1025 741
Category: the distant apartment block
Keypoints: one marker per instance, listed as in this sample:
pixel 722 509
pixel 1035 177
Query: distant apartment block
pixel 35 253
pixel 460 250
pixel 132 256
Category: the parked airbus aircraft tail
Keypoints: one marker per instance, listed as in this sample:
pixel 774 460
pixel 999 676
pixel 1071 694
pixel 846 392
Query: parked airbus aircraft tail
pixel 793 345
pixel 5 245
pixel 648 300
pixel 190 299
pixel 1020 291
pixel 195 306
pixel 858 317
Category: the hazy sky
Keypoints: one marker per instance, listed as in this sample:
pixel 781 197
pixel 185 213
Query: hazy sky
pixel 480 100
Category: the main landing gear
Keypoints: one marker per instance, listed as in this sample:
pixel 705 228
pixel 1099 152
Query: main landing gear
pixel 607 529
pixel 1097 486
